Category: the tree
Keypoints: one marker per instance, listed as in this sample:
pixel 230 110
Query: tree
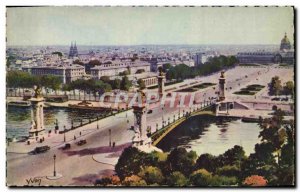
pixel 94 62
pixel 177 179
pixel 289 88
pixel 129 162
pixel 207 161
pixel 275 86
pixel 57 53
pixel 152 175
pixel 141 84
pixel 116 84
pixel 105 79
pixel 201 177
pixel 125 83
pixel 233 156
pixel 220 181
pixel 228 170
pixel 166 67
pixel 134 180
pixel 132 161
pixel 181 160
pixel 255 180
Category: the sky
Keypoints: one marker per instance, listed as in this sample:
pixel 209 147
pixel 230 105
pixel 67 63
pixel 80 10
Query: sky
pixel 148 25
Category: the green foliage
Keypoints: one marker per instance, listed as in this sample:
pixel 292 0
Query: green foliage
pixel 289 88
pixel 141 84
pixel 228 170
pixel 166 67
pixel 134 180
pixel 90 85
pixel 94 62
pixel 232 156
pixel 218 181
pixel 116 83
pixel 177 179
pixel 139 71
pixel 25 80
pixel 50 81
pixel 207 161
pixel 132 161
pixel 181 160
pixel 182 71
pixel 124 73
pixel 77 61
pixel 152 175
pixel 275 86
pixel 201 177
pixel 105 79
pixel 57 53
pixel 125 83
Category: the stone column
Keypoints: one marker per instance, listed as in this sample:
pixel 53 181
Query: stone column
pixel 161 84
pixel 222 87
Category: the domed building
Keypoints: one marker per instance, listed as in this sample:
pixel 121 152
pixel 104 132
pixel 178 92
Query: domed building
pixel 284 55
pixel 285 43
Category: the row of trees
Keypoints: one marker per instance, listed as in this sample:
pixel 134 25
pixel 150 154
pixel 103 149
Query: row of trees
pixel 20 79
pixel 276 87
pixel 271 164
pixel 182 71
pixel 98 86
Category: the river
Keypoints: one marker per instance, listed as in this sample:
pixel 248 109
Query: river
pixel 18 119
pixel 205 134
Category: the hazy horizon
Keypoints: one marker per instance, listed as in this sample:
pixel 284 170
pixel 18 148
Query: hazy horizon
pixel 130 26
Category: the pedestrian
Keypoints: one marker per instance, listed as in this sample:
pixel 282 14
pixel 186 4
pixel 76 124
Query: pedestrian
pixel 80 133
pixel 74 137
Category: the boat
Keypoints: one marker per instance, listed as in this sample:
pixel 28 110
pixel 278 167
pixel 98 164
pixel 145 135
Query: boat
pixel 19 103
pixel 85 105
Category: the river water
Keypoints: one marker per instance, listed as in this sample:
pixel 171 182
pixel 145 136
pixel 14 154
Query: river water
pixel 18 119
pixel 206 134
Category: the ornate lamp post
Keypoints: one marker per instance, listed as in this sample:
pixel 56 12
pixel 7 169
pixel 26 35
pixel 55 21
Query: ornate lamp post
pixel 54 171
pixel 64 133
pixel 109 137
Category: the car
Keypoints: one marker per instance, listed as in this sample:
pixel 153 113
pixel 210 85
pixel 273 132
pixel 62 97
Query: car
pixel 149 111
pixel 41 149
pixel 81 142
pixel 285 99
pixel 67 146
pixel 275 99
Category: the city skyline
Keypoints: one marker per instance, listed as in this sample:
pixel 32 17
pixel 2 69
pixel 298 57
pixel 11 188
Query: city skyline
pixel 135 26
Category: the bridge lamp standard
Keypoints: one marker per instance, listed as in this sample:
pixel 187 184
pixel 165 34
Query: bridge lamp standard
pixel 54 171
pixel 64 133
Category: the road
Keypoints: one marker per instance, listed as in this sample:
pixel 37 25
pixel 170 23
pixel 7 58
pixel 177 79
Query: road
pixel 77 165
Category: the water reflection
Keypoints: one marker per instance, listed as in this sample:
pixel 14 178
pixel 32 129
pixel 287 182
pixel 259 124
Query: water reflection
pixel 204 134
pixel 18 119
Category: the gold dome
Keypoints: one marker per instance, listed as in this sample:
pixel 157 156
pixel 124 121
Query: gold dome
pixel 285 39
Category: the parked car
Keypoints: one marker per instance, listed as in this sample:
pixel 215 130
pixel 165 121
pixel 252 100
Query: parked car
pixel 149 111
pixel 41 149
pixel 81 142
pixel 275 99
pixel 67 146
pixel 285 99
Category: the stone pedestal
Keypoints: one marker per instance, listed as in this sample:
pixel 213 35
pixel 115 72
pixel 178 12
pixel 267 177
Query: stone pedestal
pixel 140 125
pixel 37 130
